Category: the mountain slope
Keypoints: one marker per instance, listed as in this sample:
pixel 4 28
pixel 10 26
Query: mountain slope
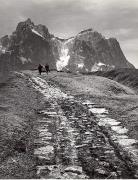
pixel 128 77
pixel 29 45
pixel 88 51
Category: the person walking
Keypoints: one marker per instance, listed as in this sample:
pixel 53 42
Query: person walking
pixel 40 68
pixel 47 68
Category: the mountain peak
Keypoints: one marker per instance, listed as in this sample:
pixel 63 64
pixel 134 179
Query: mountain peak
pixel 28 21
pixel 86 30
pixel 24 25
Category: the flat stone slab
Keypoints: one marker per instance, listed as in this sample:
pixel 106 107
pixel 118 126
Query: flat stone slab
pixel 45 153
pixel 98 110
pixel 71 175
pixel 45 134
pixel 74 169
pixel 81 146
pixel 88 103
pixel 119 129
pixel 39 141
pixel 100 171
pixel 44 150
pixel 46 138
pixel 43 130
pixel 88 133
pixel 48 112
pixel 126 142
pixel 108 121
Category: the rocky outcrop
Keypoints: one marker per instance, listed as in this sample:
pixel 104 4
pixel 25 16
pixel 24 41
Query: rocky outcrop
pixel 29 45
pixel 88 51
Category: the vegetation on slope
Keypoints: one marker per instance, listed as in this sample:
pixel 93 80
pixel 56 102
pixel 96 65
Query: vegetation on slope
pixel 128 77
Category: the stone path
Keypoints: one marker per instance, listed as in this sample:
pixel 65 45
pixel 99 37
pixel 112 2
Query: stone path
pixel 77 140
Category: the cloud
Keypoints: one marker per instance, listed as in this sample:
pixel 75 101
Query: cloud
pixel 131 44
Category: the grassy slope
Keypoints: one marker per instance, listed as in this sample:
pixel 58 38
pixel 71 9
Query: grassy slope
pixel 121 101
pixel 17 115
pixel 128 77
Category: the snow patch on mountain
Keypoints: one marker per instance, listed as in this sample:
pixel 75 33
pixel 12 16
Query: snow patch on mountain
pixel 25 60
pixel 2 49
pixel 101 66
pixel 70 40
pixel 37 33
pixel 81 65
pixel 64 57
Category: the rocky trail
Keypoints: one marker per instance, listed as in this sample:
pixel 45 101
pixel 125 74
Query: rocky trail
pixel 76 138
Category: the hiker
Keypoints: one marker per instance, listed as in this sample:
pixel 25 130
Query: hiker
pixel 47 68
pixel 40 68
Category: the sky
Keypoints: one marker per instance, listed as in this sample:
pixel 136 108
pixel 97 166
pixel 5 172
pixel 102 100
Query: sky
pixel 66 18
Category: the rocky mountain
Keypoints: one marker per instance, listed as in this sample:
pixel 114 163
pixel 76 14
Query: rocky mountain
pixel 32 44
pixel 28 46
pixel 90 51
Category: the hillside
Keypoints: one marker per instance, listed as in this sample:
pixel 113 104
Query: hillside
pixel 67 126
pixel 128 77
pixel 17 116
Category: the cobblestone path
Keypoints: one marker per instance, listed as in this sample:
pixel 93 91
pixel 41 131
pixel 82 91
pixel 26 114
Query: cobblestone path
pixel 76 139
